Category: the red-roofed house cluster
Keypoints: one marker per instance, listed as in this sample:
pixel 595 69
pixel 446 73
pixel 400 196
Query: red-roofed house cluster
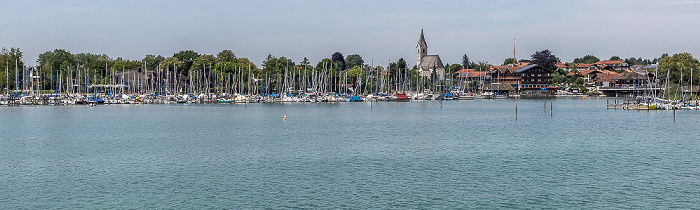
pixel 522 76
pixel 610 74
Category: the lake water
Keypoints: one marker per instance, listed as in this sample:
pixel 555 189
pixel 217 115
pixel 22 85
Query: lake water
pixel 467 154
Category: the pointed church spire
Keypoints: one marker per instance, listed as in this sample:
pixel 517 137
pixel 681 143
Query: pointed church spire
pixel 421 41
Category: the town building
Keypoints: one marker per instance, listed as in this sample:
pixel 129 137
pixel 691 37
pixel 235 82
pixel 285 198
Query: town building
pixel 521 76
pixel 564 66
pixel 616 65
pixel 427 64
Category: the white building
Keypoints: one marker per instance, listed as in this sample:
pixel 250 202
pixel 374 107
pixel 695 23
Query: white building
pixel 426 64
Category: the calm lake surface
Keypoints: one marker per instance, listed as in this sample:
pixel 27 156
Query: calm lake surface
pixel 467 154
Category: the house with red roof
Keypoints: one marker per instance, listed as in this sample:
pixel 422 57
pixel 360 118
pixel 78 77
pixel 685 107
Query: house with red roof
pixel 584 66
pixel 563 66
pixel 470 75
pixel 616 65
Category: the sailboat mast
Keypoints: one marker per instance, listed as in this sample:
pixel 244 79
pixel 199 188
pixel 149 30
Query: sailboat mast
pixel 7 78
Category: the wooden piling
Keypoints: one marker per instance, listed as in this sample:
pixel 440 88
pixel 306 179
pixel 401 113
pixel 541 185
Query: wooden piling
pixel 516 111
pixel 551 109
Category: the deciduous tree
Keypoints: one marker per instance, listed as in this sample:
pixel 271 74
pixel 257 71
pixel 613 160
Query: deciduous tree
pixel 187 57
pixel 354 60
pixel 226 56
pixel 544 59
pixel 588 59
pixel 152 61
pixel 338 58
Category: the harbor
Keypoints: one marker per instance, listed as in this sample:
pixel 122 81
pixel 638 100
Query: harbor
pixel 349 104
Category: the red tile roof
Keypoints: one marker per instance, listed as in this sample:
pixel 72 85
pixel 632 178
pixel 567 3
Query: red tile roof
pixel 609 62
pixel 464 71
pixel 471 73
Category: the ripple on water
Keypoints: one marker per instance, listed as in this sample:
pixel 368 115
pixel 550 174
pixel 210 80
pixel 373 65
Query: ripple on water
pixel 469 154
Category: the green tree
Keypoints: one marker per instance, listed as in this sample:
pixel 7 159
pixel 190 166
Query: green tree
pixel 466 63
pixel 559 76
pixel 120 64
pixel 152 61
pixel 545 59
pixel 226 56
pixel 324 62
pixel 56 59
pixel 615 58
pixel 203 62
pixel 672 66
pixel 246 63
pixel 588 59
pixel 187 57
pixel 401 63
pixel 508 61
pixel 8 60
pixel 305 64
pixel 354 60
pixel 171 63
pixel 339 60
pixel 273 65
pixel 96 63
pixel 482 66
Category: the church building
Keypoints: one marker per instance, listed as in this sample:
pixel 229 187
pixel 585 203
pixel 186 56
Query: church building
pixel 427 64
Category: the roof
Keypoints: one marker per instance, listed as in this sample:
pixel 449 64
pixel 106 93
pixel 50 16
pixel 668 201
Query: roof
pixel 583 65
pixel 610 62
pixel 421 40
pixel 528 67
pixel 430 61
pixel 603 77
pixel 464 71
pixel 561 65
pixel 471 73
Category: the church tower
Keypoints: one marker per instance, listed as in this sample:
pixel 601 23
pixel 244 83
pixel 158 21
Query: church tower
pixel 422 48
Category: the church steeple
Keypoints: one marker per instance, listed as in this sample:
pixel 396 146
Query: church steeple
pixel 421 40
pixel 421 48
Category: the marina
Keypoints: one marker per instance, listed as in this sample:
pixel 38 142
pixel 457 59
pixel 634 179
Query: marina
pixel 349 105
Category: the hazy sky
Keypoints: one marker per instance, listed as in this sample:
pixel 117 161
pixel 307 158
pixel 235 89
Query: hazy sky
pixel 375 29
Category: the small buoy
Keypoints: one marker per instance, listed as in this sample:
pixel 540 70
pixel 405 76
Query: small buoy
pixel 584 97
pixel 285 118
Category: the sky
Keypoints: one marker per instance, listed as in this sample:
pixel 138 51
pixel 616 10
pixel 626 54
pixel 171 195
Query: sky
pixel 378 30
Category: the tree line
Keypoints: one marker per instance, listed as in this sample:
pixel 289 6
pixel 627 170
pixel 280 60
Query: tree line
pixel 188 62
